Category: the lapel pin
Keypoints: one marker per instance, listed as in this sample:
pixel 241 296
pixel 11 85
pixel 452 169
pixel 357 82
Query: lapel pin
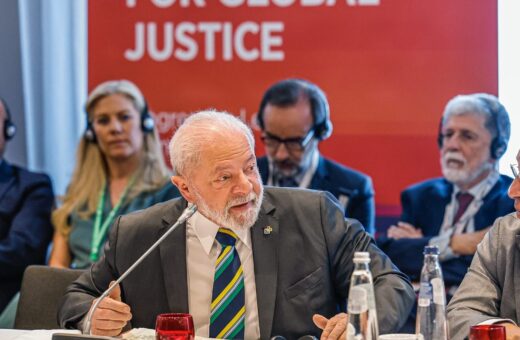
pixel 268 230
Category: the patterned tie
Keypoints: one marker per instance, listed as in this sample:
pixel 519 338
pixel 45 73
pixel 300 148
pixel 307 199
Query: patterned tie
pixel 464 200
pixel 227 302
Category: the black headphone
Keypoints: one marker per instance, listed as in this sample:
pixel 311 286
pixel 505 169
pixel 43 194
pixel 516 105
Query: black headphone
pixel 498 114
pixel 147 124
pixel 9 127
pixel 287 93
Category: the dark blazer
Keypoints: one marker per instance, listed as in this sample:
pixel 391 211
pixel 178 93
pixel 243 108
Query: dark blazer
pixel 302 267
pixel 340 180
pixel 423 206
pixel 26 200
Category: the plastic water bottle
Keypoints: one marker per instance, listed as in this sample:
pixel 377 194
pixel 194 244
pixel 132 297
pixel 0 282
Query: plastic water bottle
pixel 361 301
pixel 431 305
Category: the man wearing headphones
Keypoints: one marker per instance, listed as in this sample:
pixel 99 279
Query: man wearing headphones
pixel 26 200
pixel 455 212
pixel 294 117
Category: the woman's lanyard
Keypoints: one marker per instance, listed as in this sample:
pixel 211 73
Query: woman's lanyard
pixel 100 228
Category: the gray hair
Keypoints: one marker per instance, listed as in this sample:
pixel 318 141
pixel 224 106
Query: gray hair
pixel 198 131
pixel 121 86
pixel 485 105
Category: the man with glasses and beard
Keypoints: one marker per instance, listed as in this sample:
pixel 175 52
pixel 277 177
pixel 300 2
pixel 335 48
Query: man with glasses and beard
pixel 455 212
pixel 251 263
pixel 294 117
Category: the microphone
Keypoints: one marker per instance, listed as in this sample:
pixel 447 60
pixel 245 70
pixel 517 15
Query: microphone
pixel 187 213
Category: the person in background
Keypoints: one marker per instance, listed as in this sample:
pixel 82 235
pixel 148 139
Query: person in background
pixel 294 117
pixel 26 202
pixel 119 169
pixel 285 254
pixel 454 212
pixel 489 292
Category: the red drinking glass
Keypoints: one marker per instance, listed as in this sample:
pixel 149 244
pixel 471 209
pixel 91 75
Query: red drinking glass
pixel 487 332
pixel 174 326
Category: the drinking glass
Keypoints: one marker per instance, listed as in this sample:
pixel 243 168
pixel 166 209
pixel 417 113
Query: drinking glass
pixel 487 332
pixel 174 326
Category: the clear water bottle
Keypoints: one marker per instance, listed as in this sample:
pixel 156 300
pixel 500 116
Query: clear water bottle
pixel 361 301
pixel 431 305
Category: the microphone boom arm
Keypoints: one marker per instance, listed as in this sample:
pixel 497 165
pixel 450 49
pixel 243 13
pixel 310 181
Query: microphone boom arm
pixel 187 213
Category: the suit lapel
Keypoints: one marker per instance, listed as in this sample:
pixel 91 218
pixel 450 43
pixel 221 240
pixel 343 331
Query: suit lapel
pixel 322 181
pixel 173 260
pixel 264 235
pixel 516 276
pixel 6 178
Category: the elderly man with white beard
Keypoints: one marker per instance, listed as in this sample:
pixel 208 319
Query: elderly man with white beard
pixel 249 264
pixel 455 212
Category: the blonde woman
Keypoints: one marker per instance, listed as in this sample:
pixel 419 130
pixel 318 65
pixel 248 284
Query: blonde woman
pixel 119 169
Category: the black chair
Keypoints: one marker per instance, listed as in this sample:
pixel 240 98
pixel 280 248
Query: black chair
pixel 42 289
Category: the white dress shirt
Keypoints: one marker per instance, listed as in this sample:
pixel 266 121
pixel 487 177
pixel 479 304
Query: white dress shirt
pixel 201 253
pixel 466 223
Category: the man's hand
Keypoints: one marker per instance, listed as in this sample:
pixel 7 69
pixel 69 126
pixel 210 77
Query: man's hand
pixel 512 331
pixel 333 328
pixel 403 230
pixel 111 315
pixel 466 244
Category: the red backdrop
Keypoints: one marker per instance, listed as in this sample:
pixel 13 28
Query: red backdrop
pixel 387 67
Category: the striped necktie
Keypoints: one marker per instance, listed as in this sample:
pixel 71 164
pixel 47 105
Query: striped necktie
pixel 227 302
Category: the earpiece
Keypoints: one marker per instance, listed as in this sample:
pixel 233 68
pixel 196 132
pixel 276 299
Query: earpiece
pixel 9 127
pixel 147 124
pixel 499 143
pixel 287 92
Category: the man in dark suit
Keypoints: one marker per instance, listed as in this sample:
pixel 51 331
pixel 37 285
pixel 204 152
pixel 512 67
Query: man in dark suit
pixel 455 212
pixel 291 255
pixel 26 200
pixel 294 117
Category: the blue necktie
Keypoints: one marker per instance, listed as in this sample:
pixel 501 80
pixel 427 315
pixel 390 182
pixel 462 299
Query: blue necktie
pixel 227 302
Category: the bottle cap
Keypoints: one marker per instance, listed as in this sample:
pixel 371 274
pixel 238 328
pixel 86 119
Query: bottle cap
pixel 431 250
pixel 361 256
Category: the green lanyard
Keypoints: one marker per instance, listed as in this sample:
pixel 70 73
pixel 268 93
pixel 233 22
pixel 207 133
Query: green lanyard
pixel 100 228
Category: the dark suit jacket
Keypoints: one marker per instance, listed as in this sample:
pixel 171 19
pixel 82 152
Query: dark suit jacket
pixel 340 180
pixel 302 267
pixel 423 206
pixel 26 200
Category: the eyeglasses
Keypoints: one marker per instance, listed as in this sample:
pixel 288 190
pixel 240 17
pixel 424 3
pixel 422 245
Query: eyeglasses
pixel 292 144
pixel 514 168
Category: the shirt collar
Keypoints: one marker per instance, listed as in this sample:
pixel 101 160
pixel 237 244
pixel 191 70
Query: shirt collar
pixel 206 231
pixel 483 187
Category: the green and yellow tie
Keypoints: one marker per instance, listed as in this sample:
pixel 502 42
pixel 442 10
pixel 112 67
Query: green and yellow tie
pixel 228 303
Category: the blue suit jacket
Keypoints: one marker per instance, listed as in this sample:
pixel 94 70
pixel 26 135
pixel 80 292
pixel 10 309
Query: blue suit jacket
pixel 423 206
pixel 340 181
pixel 26 200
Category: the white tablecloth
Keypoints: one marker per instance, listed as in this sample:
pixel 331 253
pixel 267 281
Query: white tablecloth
pixel 42 334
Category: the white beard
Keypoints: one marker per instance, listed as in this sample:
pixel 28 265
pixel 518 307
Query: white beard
pixel 463 175
pixel 224 219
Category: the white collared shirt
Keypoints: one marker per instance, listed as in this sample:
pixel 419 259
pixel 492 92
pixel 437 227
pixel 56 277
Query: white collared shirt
pixel 201 255
pixel 466 223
